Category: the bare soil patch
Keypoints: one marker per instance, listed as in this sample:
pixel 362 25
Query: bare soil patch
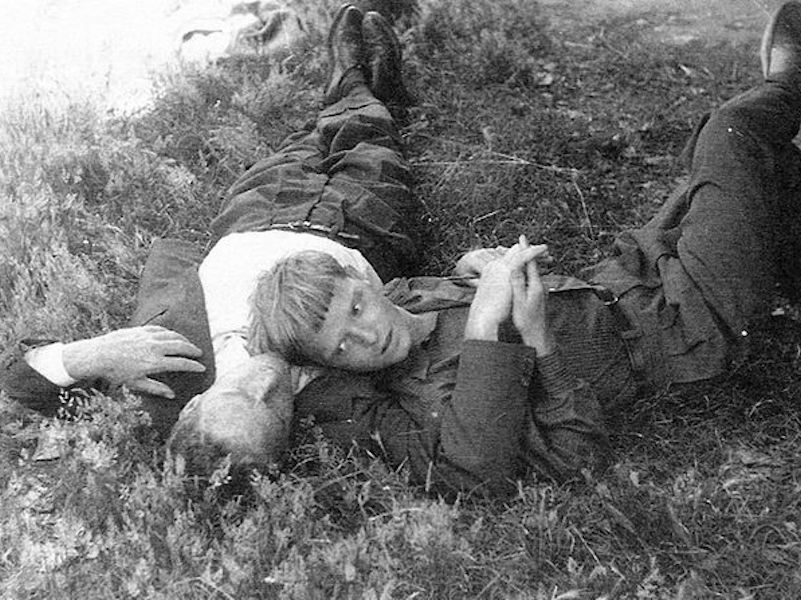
pixel 674 21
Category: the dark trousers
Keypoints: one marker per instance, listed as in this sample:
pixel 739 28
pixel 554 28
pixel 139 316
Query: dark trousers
pixel 738 236
pixel 708 262
pixel 345 175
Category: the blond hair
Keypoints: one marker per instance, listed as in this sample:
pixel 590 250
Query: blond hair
pixel 291 301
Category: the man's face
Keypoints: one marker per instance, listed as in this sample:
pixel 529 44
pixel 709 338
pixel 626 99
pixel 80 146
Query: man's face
pixel 362 330
pixel 248 410
pixel 235 421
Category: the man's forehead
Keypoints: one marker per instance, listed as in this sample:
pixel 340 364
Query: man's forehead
pixel 345 291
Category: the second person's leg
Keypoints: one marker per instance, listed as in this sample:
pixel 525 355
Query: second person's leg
pixel 739 233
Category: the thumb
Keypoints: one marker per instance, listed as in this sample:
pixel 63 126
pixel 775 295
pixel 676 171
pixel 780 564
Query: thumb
pixel 533 275
pixel 518 282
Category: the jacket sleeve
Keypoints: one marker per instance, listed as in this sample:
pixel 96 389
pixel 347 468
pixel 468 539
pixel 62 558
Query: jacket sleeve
pixel 465 438
pixel 468 429
pixel 24 384
pixel 567 432
pixel 484 419
pixel 170 295
pixel 512 413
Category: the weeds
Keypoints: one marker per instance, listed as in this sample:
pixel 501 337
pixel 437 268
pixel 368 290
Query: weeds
pixel 566 140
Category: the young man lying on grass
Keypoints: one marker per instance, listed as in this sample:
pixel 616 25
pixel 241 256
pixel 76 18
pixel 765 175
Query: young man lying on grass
pixel 472 389
pixel 340 188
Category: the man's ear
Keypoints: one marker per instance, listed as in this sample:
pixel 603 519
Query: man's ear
pixel 190 408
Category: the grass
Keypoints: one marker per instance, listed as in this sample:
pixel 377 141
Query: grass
pixel 567 140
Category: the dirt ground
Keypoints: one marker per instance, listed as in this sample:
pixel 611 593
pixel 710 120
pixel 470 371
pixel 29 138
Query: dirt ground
pixel 87 46
pixel 675 21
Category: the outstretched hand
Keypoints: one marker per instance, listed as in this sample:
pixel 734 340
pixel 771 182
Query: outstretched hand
pixel 130 356
pixel 495 294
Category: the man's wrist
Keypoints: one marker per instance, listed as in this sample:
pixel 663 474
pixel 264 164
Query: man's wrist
pixel 79 360
pixel 542 341
pixel 478 329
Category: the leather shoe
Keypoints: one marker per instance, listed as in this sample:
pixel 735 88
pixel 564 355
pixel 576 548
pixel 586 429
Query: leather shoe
pixel 384 60
pixel 346 54
pixel 781 43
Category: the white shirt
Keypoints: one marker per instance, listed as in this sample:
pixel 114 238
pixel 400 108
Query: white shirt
pixel 228 277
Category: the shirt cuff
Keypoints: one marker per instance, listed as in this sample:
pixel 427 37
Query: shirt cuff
pixel 48 361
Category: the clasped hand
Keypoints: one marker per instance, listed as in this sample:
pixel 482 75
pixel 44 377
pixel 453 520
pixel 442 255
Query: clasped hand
pixel 510 284
pixel 130 356
pixel 472 263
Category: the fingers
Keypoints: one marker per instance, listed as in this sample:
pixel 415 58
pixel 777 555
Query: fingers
pixel 485 255
pixel 526 282
pixel 162 334
pixel 179 346
pixel 530 286
pixel 518 281
pixel 140 382
pixel 543 255
pixel 533 274
pixel 178 363
pixel 536 290
pixel 518 255
pixel 166 342
pixel 151 386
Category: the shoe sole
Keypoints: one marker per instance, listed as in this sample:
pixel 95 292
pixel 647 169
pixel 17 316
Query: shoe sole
pixel 785 15
pixel 375 22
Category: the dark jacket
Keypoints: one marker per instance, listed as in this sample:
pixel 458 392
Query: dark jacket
pixel 461 415
pixel 478 415
pixel 169 295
